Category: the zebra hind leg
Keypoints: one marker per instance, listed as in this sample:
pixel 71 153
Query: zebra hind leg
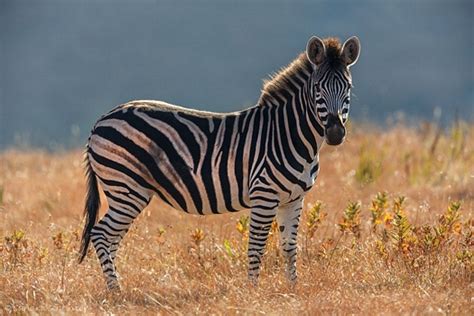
pixel 110 230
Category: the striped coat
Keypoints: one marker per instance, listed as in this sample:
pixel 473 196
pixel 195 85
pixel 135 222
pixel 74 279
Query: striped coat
pixel 264 158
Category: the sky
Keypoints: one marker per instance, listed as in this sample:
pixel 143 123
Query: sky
pixel 63 63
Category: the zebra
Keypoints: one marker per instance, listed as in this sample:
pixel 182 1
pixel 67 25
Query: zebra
pixel 263 158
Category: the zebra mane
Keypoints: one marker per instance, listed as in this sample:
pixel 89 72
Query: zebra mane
pixel 281 80
pixel 301 68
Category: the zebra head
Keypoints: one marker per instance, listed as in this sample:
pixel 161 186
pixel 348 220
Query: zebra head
pixel 331 83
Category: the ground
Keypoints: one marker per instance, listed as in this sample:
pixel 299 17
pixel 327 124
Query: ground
pixel 387 229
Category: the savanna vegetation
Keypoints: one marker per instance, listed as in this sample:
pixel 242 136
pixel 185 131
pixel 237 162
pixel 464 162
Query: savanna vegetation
pixel 387 229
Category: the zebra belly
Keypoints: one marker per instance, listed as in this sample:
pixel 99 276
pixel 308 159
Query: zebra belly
pixel 213 192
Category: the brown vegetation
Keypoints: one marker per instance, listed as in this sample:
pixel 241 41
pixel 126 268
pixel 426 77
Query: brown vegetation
pixel 361 250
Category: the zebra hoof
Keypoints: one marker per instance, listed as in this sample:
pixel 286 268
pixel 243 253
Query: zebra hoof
pixel 253 282
pixel 113 287
pixel 292 282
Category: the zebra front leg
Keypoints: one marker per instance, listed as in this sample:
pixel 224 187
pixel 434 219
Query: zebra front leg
pixel 288 221
pixel 260 224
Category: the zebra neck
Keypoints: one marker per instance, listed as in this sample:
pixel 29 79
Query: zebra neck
pixel 292 122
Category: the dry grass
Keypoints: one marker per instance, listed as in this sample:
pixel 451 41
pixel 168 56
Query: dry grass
pixel 378 254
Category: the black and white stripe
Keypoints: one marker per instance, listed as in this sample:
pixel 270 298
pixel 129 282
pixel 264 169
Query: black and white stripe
pixel 264 158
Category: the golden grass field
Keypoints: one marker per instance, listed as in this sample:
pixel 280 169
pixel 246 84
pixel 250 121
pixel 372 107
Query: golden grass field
pixel 383 255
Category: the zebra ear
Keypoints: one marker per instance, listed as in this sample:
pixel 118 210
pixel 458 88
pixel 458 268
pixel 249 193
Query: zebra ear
pixel 351 51
pixel 315 50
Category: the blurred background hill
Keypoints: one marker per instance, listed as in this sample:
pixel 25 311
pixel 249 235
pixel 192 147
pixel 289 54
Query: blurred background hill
pixel 63 63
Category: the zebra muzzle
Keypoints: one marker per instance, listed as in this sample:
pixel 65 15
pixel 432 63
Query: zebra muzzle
pixel 335 130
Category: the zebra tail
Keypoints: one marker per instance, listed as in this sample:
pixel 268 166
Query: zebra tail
pixel 91 208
